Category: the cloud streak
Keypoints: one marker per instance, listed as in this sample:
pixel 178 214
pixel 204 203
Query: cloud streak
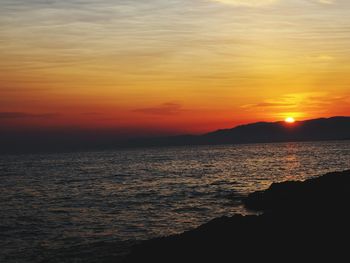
pixel 82 57
pixel 303 104
pixel 164 109
pixel 258 3
pixel 24 115
pixel 251 3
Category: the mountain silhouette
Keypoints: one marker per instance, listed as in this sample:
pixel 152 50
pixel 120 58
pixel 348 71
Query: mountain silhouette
pixel 334 128
pixel 318 129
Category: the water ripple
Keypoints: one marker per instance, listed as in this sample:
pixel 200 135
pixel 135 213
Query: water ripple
pixel 64 207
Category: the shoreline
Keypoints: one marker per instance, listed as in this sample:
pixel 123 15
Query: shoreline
pixel 300 220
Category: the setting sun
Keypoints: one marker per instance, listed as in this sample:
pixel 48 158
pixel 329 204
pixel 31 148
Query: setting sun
pixel 290 120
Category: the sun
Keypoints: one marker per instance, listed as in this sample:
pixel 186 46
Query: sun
pixel 289 120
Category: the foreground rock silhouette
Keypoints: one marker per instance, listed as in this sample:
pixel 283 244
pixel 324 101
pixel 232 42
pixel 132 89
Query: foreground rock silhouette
pixel 301 222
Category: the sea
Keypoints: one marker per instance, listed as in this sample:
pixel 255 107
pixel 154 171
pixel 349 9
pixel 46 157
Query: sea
pixel 93 206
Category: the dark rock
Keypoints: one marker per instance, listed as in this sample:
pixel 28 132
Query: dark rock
pixel 331 191
pixel 302 221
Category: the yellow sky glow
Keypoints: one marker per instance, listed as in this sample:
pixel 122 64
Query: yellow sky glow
pixel 181 66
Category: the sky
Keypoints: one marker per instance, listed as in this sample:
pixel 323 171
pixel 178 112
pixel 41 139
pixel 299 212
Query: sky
pixel 150 67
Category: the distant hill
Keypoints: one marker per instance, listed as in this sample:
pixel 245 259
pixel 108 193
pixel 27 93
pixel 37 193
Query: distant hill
pixel 335 128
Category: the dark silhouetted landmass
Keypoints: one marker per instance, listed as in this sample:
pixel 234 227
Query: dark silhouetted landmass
pixel 301 222
pixel 335 128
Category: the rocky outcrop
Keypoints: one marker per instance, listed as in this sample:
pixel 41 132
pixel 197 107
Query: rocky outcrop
pixel 301 221
pixel 331 192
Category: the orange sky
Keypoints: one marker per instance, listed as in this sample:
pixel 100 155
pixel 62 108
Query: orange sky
pixel 167 67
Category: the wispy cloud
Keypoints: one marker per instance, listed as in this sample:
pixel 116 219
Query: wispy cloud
pixel 164 109
pixel 24 115
pixel 299 104
pixel 254 3
pixel 273 104
pixel 257 3
pixel 288 101
pixel 84 56
pixel 92 113
pixel 326 1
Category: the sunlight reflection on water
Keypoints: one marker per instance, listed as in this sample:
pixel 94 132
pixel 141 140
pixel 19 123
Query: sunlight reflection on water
pixel 59 201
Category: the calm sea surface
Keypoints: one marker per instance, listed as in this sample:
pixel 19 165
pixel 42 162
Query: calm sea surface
pixel 87 207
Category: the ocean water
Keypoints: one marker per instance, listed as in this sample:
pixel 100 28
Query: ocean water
pixel 90 206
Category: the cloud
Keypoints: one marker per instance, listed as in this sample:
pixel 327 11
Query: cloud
pixel 274 104
pixel 325 58
pixel 92 113
pixel 247 2
pixel 327 1
pixel 280 103
pixel 290 101
pixel 164 109
pixel 24 115
pixel 300 104
pixel 257 3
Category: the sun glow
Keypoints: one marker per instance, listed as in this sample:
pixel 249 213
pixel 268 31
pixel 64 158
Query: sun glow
pixel 289 120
